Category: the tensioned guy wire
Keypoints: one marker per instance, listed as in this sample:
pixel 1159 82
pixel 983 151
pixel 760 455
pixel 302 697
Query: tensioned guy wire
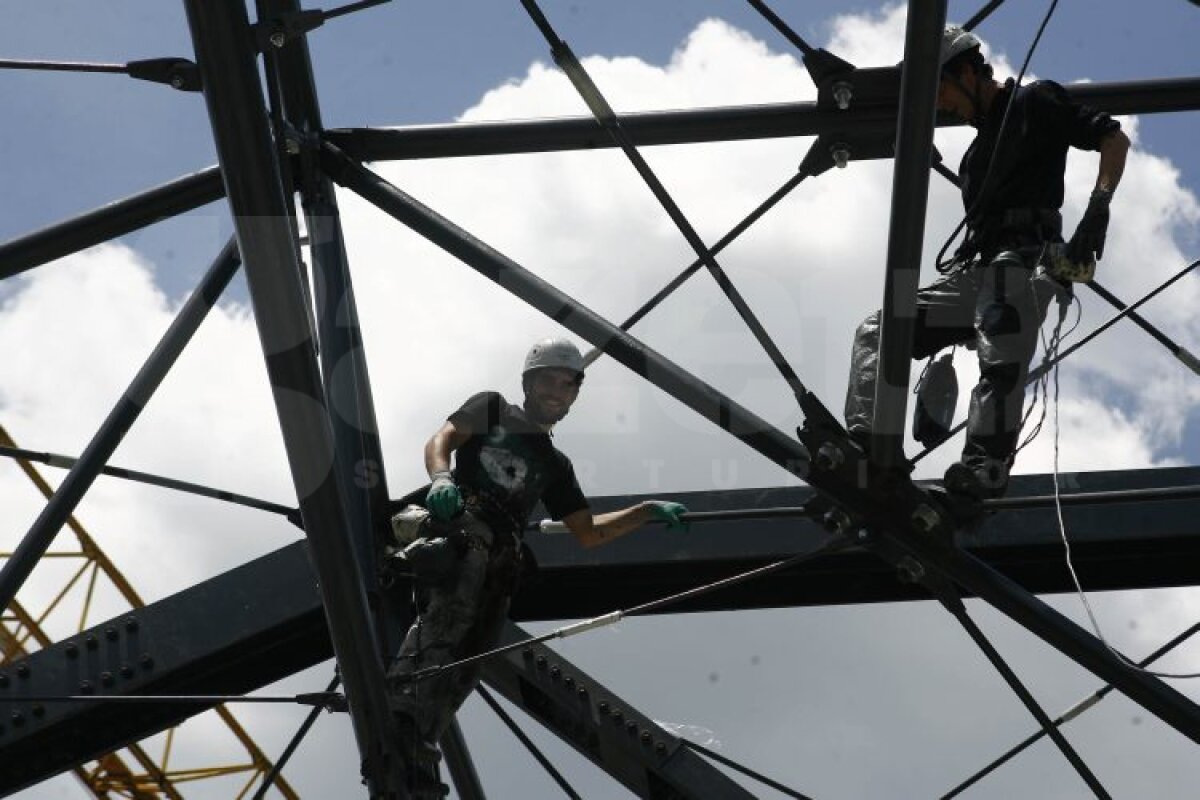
pixel 1068 715
pixel 607 118
pixel 830 545
pixel 66 462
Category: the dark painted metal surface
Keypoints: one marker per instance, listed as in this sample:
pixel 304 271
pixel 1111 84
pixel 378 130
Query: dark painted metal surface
pixel 873 116
pixel 906 232
pixel 263 621
pixel 343 357
pixel 118 422
pixel 646 758
pixel 893 510
pixel 1132 545
pixel 225 52
pixel 232 634
pixel 110 221
pixel 459 764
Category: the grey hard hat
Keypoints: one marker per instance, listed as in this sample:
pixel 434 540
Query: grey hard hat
pixel 560 353
pixel 956 40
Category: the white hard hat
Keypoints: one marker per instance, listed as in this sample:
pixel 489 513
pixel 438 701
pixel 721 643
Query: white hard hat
pixel 560 353
pixel 956 40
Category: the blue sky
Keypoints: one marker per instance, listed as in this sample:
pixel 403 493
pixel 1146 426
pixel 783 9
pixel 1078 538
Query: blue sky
pixel 71 334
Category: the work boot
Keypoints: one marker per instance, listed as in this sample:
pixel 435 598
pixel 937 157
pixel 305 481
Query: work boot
pixel 985 480
pixel 967 486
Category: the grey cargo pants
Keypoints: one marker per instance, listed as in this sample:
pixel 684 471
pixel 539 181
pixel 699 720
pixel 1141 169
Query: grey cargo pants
pixel 463 615
pixel 999 306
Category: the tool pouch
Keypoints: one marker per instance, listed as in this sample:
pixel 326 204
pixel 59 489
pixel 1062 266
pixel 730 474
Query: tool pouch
pixel 410 524
pixel 937 396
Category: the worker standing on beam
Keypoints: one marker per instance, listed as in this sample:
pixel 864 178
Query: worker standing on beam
pixel 996 290
pixel 506 462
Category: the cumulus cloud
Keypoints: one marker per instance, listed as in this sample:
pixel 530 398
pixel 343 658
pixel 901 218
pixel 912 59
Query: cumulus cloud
pixel 436 332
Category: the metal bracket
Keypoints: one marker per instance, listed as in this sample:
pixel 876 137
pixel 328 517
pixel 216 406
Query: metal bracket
pixel 178 73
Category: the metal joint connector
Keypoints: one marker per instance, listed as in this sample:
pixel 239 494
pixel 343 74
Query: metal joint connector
pixel 842 93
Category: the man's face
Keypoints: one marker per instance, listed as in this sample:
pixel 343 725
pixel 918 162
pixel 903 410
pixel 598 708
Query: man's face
pixel 953 97
pixel 550 394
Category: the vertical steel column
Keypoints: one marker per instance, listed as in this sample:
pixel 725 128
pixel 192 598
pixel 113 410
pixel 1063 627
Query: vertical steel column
pixel 343 358
pixel 118 422
pixel 224 46
pixel 458 761
pixel 910 189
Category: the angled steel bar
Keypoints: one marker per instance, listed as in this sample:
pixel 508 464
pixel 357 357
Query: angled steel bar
pixel 110 221
pixel 244 629
pixel 81 476
pixel 458 761
pixel 1052 627
pixel 1006 596
pixel 533 749
pixel 690 270
pixel 979 16
pixel 742 768
pixel 1065 717
pixel 223 42
pixel 1045 367
pixel 782 27
pixel 343 357
pixel 692 392
pixel 620 739
pixel 565 58
pixel 1180 352
pixel 731 123
pixel 910 190
pixel 309 720
pixel 262 621
pixel 948 596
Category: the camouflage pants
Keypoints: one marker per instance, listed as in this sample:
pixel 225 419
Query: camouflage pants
pixel 998 308
pixel 463 614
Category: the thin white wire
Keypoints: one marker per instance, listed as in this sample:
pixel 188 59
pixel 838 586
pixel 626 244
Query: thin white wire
pixel 1062 529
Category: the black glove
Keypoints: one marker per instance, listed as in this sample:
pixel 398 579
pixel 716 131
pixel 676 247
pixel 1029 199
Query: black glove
pixel 1089 236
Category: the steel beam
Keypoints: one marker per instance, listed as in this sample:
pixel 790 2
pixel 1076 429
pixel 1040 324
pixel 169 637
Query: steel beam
pixel 893 513
pixel 689 390
pixel 459 763
pixel 1119 546
pixel 264 620
pixel 118 422
pixel 110 221
pixel 231 634
pixel 906 232
pixel 224 45
pixel 646 758
pixel 732 123
pixel 343 357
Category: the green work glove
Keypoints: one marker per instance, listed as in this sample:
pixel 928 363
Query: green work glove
pixel 1087 245
pixel 669 512
pixel 444 500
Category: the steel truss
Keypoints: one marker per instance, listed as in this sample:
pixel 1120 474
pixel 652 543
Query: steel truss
pixel 267 152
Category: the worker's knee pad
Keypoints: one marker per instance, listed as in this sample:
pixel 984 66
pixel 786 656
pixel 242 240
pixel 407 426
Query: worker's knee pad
pixel 1003 378
pixel 999 319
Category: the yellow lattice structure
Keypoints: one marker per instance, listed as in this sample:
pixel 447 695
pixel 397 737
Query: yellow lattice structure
pixel 133 772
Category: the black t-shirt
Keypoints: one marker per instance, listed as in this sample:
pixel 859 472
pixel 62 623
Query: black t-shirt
pixel 508 464
pixel 1028 174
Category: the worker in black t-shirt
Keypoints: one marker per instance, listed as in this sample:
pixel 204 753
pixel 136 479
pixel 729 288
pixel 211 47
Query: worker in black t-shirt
pixel 506 462
pixel 1013 261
